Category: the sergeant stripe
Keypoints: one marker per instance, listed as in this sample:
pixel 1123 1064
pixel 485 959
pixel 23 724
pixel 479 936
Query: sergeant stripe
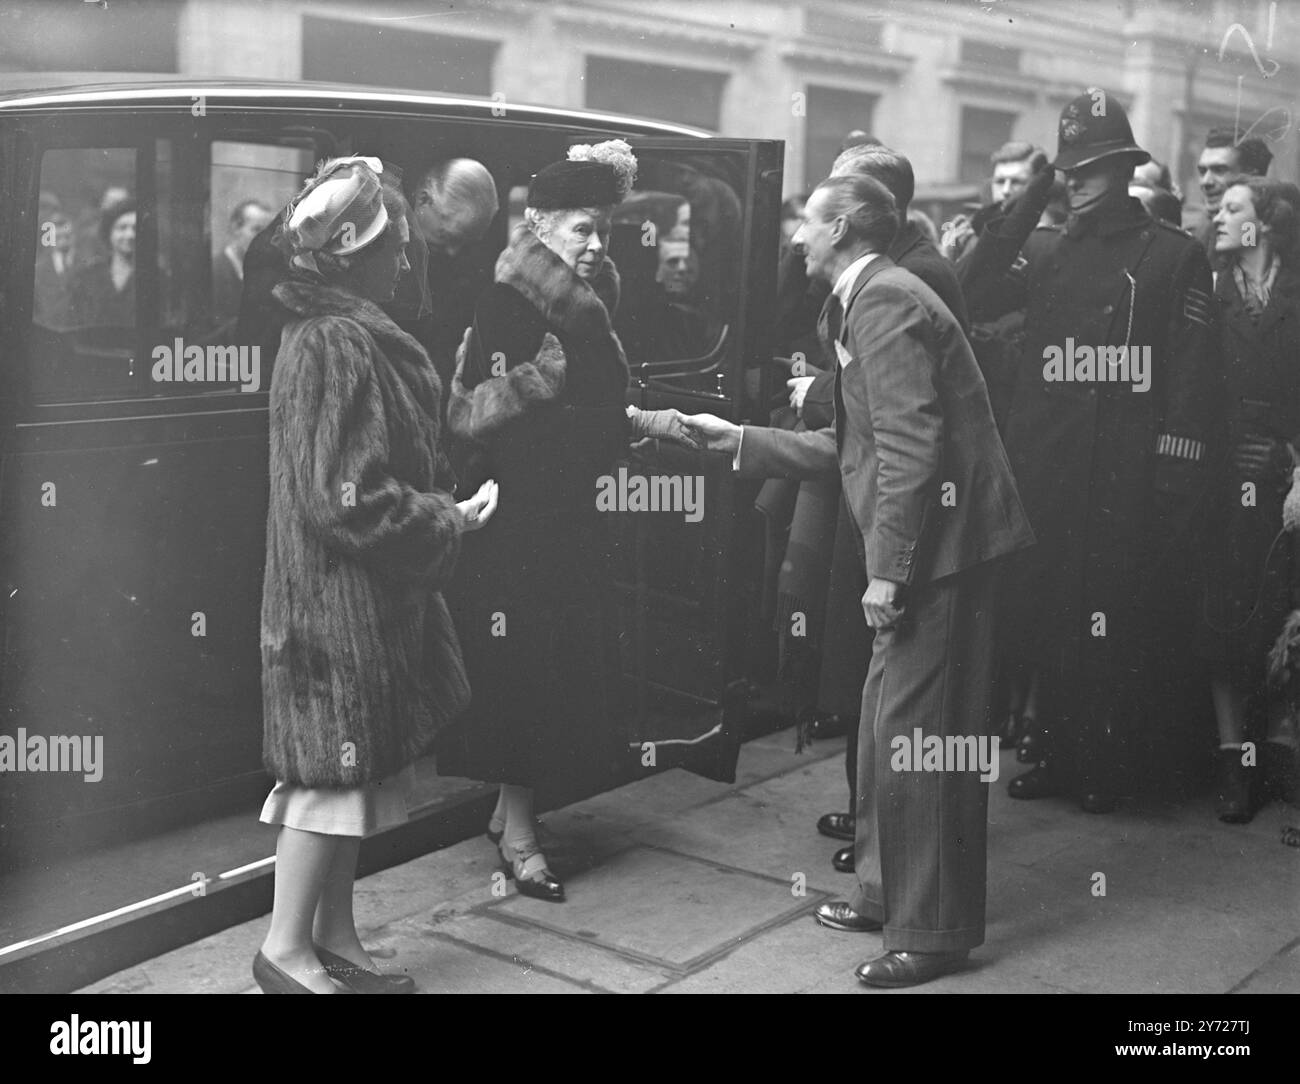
pixel 1180 447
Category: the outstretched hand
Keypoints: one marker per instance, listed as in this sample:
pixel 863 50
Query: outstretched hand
pixel 713 433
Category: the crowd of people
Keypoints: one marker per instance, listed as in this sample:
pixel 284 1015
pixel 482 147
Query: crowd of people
pixel 1032 480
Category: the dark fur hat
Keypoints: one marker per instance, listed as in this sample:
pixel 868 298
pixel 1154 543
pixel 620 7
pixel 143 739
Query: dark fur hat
pixel 565 185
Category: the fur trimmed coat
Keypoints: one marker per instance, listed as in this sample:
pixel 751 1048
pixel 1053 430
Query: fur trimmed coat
pixel 538 403
pixel 360 663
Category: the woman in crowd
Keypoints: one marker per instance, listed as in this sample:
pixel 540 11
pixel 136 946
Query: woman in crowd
pixel 360 663
pixel 538 399
pixel 1252 576
pixel 103 293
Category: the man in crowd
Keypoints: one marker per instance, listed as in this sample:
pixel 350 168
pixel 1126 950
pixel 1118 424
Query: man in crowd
pixel 452 204
pixel 1014 165
pixel 247 220
pixel 1226 155
pixel 846 641
pixel 1107 435
pixel 912 423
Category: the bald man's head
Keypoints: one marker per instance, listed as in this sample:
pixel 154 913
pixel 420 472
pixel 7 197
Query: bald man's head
pixel 454 204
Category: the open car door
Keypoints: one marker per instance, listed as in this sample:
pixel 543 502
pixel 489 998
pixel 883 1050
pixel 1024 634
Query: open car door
pixel 696 245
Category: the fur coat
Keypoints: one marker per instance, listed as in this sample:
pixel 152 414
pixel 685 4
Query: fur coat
pixel 360 664
pixel 538 400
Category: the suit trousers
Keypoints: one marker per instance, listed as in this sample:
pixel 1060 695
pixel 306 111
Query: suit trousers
pixel 920 850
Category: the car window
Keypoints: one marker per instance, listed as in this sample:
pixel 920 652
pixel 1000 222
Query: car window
pixel 677 242
pixel 139 265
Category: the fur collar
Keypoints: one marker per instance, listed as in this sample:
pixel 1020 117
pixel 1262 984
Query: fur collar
pixel 583 353
pixel 309 296
pixel 565 301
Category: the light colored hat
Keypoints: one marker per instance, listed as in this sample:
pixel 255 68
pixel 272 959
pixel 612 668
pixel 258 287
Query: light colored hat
pixel 340 211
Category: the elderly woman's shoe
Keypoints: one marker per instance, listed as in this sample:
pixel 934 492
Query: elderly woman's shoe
pixel 527 866
pixel 361 980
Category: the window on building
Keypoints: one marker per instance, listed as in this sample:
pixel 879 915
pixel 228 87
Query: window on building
pixel 831 113
pixel 135 36
pixel 990 55
pixel 842 28
pixel 982 132
pixel 338 50
pixel 681 95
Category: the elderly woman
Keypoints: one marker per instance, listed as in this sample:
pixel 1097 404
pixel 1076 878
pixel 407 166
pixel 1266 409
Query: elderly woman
pixel 1253 576
pixel 360 663
pixel 103 293
pixel 538 396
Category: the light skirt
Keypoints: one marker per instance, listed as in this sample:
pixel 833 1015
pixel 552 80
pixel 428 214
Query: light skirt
pixel 347 811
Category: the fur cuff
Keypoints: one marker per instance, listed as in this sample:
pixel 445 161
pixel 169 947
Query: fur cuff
pixel 477 413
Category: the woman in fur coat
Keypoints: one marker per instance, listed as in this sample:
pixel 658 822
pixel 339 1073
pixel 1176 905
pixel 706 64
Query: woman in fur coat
pixel 1252 572
pixel 360 663
pixel 538 398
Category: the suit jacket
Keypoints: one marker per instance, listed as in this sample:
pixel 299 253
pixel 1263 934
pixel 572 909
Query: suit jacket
pixel 923 469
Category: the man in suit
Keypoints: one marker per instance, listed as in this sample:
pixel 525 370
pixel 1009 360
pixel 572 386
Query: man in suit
pixel 846 640
pixel 934 504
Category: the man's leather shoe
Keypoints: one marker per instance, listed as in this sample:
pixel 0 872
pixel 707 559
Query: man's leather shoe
pixel 837 825
pixel 839 915
pixel 1097 801
pixel 1038 783
pixel 842 860
pixel 909 968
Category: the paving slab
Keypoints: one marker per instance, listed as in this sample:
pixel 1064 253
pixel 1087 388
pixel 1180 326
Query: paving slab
pixel 661 907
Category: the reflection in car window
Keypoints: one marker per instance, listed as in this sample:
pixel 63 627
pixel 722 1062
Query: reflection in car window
pixel 677 244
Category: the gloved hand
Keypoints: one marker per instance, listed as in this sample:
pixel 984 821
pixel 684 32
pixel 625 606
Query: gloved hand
pixel 1260 459
pixel 660 425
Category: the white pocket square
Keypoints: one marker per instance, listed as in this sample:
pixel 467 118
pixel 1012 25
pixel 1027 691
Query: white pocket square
pixel 843 354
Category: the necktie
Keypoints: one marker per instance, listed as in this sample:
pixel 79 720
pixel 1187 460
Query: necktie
pixel 829 325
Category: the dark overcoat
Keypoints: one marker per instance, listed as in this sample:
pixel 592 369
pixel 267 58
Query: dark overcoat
pixel 1261 377
pixel 1109 476
pixel 360 663
pixel 538 403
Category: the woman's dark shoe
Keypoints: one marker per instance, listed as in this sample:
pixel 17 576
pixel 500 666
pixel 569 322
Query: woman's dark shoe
pixel 531 876
pixel 1232 788
pixel 361 980
pixel 274 981
pixel 1039 783
pixel 1280 766
pixel 842 860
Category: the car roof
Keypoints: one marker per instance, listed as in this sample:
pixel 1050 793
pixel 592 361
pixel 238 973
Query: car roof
pixel 127 96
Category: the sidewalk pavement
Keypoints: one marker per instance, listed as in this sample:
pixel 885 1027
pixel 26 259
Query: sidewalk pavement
pixel 679 885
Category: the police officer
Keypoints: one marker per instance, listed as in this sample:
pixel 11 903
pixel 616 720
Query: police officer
pixel 1109 449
